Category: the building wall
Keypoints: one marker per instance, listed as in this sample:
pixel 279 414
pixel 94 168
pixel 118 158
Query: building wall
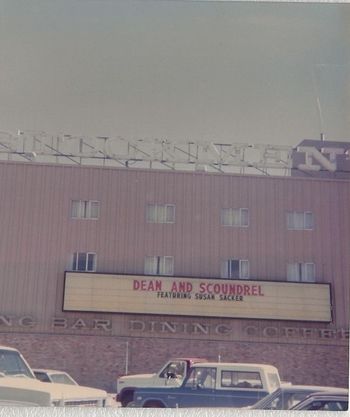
pixel 97 361
pixel 38 237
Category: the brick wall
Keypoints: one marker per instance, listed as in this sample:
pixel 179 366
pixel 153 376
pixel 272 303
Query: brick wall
pixel 98 361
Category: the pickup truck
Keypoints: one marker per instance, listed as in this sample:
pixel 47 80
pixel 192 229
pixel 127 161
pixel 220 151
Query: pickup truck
pixel 19 387
pixel 213 384
pixel 171 374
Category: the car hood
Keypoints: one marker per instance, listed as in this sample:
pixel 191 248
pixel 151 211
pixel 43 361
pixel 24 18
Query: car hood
pixel 138 376
pixel 56 391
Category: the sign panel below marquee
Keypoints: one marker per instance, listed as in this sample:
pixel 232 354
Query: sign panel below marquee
pixel 109 293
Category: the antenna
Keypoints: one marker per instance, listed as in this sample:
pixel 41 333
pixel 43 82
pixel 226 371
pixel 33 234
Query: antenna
pixel 318 103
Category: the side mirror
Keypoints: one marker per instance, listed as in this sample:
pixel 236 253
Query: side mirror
pixel 170 375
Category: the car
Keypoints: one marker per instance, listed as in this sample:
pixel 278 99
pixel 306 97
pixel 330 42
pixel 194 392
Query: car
pixel 335 400
pixel 213 384
pixel 52 375
pixel 18 386
pixel 287 396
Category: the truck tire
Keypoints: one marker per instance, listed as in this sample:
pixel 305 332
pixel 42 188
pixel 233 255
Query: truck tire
pixel 127 397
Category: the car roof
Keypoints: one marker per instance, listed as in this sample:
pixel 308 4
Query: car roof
pixel 49 371
pixel 314 388
pixel 8 348
pixel 189 359
pixel 330 393
pixel 238 365
pixel 284 391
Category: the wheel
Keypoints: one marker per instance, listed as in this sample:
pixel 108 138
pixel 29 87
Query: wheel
pixel 127 398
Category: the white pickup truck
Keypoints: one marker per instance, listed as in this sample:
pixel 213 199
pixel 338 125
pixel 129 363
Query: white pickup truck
pixel 19 387
pixel 170 375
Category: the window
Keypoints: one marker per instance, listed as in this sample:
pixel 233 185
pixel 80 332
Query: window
pixel 240 379
pixel 328 405
pixel 235 217
pixel 159 265
pixel 85 209
pixel 284 400
pixel 160 213
pixel 11 363
pixel 42 376
pixel 235 268
pixel 201 377
pixel 274 380
pixel 304 272
pixel 84 261
pixel 176 369
pixel 300 220
pixel 62 378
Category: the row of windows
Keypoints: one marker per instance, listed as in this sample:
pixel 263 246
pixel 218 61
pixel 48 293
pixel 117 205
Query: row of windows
pixel 206 378
pixel 230 268
pixel 155 213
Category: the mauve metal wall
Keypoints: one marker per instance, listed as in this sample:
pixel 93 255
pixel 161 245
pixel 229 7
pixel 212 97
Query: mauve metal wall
pixel 38 236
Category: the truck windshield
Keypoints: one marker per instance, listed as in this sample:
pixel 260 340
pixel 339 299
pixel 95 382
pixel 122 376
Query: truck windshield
pixel 11 363
pixel 176 369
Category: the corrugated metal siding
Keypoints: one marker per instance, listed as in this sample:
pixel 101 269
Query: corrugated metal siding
pixel 38 236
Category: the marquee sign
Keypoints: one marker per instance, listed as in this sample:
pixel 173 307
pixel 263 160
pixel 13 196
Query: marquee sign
pixel 180 296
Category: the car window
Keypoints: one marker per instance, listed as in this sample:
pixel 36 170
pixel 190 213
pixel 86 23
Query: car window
pixel 294 399
pixel 202 378
pixel 328 405
pixel 274 381
pixel 281 400
pixel 240 379
pixel 11 363
pixel 42 376
pixel 176 369
pixel 62 379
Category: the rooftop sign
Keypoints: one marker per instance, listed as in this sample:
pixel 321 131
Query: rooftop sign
pixel 196 297
pixel 164 154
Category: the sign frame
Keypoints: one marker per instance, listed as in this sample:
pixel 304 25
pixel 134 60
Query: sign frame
pixel 156 277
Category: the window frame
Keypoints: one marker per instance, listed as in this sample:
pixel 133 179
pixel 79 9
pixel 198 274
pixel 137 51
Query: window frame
pixel 84 209
pixel 75 262
pixel 304 221
pixel 160 265
pixel 302 272
pixel 195 374
pixel 231 211
pixel 228 262
pixel 161 213
pixel 239 385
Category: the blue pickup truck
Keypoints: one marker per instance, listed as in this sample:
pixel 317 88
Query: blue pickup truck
pixel 171 374
pixel 213 384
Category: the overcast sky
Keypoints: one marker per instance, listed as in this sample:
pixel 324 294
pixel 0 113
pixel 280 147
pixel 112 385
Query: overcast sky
pixel 181 70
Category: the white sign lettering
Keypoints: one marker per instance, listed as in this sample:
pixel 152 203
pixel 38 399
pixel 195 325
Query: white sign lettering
pixel 179 328
pixel 163 153
pixel 13 321
pixel 195 328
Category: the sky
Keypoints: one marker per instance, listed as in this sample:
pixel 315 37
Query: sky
pixel 234 72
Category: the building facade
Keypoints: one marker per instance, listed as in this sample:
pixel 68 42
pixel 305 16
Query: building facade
pixel 107 271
